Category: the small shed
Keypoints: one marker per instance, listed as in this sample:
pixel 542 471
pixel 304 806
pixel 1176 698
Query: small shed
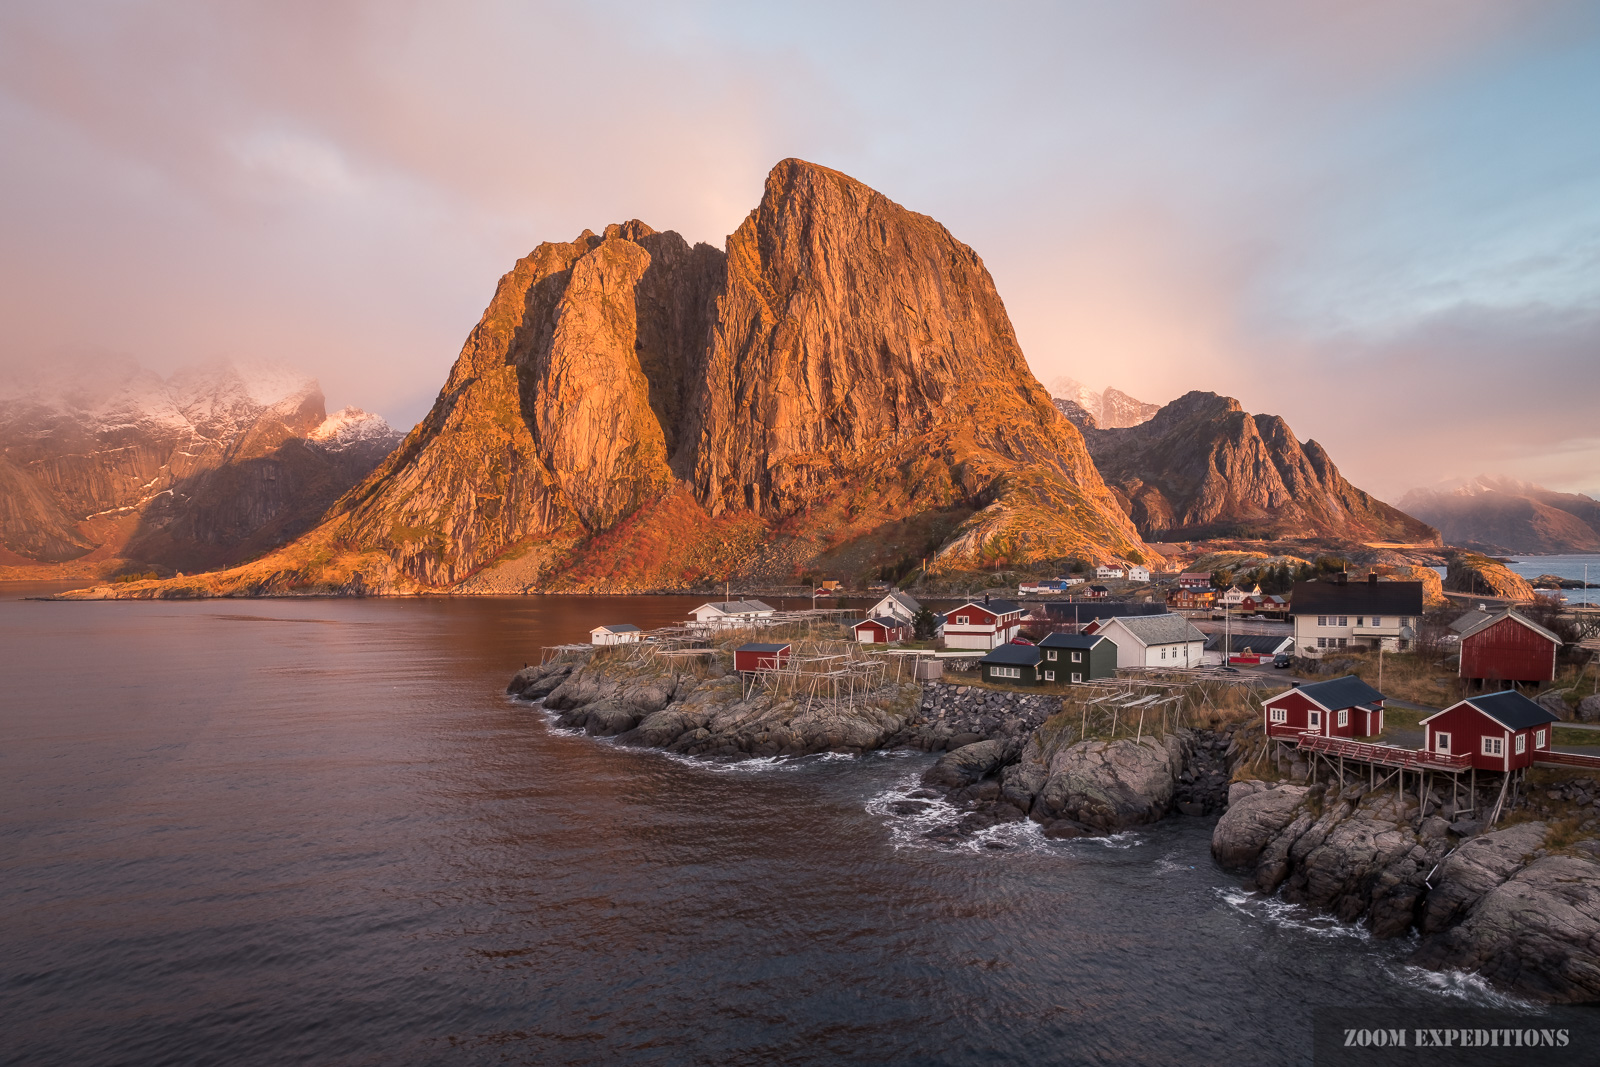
pixel 1011 665
pixel 1076 658
pixel 616 633
pixel 1502 731
pixel 1506 647
pixel 760 657
pixel 1340 707
pixel 881 630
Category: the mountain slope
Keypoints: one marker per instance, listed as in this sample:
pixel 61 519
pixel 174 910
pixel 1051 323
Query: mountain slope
pixel 107 466
pixel 842 386
pixel 1202 467
pixel 1506 515
pixel 1110 410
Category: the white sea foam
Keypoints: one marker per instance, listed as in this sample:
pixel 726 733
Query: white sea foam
pixel 1281 914
pixel 1459 985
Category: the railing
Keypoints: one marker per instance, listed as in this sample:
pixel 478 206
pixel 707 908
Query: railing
pixel 1568 759
pixel 1386 754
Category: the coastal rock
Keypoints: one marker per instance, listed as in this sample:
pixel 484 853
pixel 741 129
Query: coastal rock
pixel 1588 709
pixel 535 683
pixel 1469 572
pixel 970 763
pixel 1256 815
pixel 1112 786
pixel 1474 869
pixel 1536 933
pixel 1555 703
pixel 608 718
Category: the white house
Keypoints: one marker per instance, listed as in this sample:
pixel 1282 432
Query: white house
pixel 896 605
pixel 731 613
pixel 617 633
pixel 1138 574
pixel 1155 641
pixel 1330 615
pixel 1107 570
pixel 1236 595
pixel 987 625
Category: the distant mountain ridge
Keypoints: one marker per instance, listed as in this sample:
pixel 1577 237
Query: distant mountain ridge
pixel 841 388
pixel 106 464
pixel 1202 467
pixel 1110 410
pixel 1500 515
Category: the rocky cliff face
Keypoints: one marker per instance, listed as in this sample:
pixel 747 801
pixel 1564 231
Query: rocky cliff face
pixel 1469 572
pixel 108 466
pixel 1203 467
pixel 635 413
pixel 1505 515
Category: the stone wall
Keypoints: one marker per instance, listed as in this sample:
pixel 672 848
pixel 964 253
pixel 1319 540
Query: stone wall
pixel 954 715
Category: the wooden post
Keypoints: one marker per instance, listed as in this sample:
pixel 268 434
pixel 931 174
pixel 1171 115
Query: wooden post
pixel 1140 736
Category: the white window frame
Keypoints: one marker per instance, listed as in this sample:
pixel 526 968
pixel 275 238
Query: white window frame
pixel 1322 642
pixel 1358 620
pixel 1538 739
pixel 1494 746
pixel 1377 620
pixel 1344 620
pixel 1441 741
pixel 961 620
pixel 1049 676
pixel 1522 743
pixel 1322 620
pixel 1344 716
pixel 1077 657
pixel 1051 654
pixel 1076 677
pixel 1280 714
pixel 1314 719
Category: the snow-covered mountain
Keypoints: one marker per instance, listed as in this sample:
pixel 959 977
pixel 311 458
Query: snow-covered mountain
pixel 1110 410
pixel 108 465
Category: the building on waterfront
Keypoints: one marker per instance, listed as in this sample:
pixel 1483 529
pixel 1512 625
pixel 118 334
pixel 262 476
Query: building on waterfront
pixel 1154 640
pixel 1076 658
pixel 1011 665
pixel 754 657
pixel 986 625
pixel 1502 731
pixel 1330 615
pixel 731 613
pixel 1506 647
pixel 616 633
pixel 881 630
pixel 1340 707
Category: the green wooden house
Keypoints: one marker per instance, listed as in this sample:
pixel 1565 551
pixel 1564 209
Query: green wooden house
pixel 1073 658
pixel 1011 665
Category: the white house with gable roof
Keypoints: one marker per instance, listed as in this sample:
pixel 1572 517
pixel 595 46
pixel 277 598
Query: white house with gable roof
pixel 1155 641
pixel 731 613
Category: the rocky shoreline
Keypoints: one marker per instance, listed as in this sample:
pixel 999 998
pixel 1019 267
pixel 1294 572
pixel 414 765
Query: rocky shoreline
pixel 1519 905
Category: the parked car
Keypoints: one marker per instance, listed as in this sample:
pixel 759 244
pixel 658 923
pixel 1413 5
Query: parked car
pixel 1282 659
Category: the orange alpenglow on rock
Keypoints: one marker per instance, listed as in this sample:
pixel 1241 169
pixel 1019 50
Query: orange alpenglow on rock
pixel 840 389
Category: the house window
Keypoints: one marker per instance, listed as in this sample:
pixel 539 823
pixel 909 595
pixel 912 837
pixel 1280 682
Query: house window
pixel 1358 621
pixel 1344 620
pixel 1280 714
pixel 1163 653
pixel 1344 716
pixel 1377 620
pixel 961 620
pixel 1538 739
pixel 1322 642
pixel 1322 620
pixel 1341 642
pixel 1077 677
pixel 1077 657
pixel 1441 743
pixel 1315 719
pixel 1051 655
pixel 1049 676
pixel 1494 746
pixel 1522 743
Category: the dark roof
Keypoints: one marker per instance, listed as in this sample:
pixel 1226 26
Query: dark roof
pixel 762 648
pixel 1102 609
pixel 1072 640
pixel 1509 613
pixel 1013 656
pixel 1512 710
pixel 1469 620
pixel 997 607
pixel 885 621
pixel 619 627
pixel 1357 598
pixel 1253 644
pixel 1336 693
pixel 1099 589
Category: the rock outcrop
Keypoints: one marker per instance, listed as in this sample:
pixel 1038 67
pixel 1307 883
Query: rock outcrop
pixel 1204 468
pixel 1505 515
pixel 107 468
pixel 1469 572
pixel 633 413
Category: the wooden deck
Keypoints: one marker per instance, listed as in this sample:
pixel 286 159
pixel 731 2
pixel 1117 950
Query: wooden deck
pixel 1386 755
pixel 1568 759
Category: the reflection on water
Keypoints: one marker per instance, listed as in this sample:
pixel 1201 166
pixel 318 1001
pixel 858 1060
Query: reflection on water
pixel 315 831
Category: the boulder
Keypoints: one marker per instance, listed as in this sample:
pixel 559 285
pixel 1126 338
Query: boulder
pixel 1589 709
pixel 1474 869
pixel 1537 933
pixel 1553 702
pixel 1253 819
pixel 608 718
pixel 1112 786
pixel 535 683
pixel 971 763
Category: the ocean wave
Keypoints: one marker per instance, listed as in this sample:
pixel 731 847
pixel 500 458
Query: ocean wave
pixel 1460 985
pixel 1279 913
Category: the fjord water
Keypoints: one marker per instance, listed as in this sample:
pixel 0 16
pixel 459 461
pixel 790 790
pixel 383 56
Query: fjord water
pixel 316 831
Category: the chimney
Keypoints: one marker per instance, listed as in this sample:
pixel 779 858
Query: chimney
pixel 986 598
pixel 1341 578
pixel 1372 579
pixel 1294 685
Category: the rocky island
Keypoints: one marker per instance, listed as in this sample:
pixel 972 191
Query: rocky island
pixel 1518 904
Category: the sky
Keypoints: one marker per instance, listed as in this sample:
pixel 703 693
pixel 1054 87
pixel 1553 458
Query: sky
pixel 1378 220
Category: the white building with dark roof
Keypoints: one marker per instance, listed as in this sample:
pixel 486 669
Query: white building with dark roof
pixel 1155 641
pixel 730 613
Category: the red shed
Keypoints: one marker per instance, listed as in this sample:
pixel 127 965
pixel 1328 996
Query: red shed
pixel 1501 731
pixel 1339 707
pixel 1508 648
pixel 881 630
pixel 758 657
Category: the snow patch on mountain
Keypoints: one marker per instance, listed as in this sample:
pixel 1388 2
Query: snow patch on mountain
pixel 351 426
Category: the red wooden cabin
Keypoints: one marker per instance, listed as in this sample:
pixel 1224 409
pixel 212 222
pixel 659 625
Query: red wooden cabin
pixel 1508 648
pixel 1501 731
pixel 1339 707
pixel 760 657
pixel 882 630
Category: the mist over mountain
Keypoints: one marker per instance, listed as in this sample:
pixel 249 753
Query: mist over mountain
pixel 107 466
pixel 1507 515
pixel 1112 409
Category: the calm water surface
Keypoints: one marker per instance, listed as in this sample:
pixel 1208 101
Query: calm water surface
pixel 276 832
